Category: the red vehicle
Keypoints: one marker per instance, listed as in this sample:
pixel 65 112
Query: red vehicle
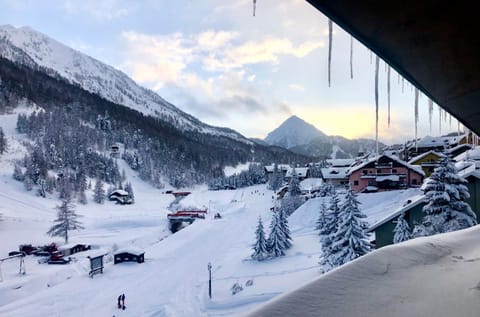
pixel 57 257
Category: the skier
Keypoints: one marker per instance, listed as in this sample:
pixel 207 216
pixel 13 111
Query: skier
pixel 119 299
pixel 123 301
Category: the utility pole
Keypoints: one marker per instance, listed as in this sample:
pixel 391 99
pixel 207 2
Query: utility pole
pixel 210 280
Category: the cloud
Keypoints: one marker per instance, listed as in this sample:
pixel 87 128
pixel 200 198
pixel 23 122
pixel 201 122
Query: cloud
pixel 251 77
pixel 100 10
pixel 296 87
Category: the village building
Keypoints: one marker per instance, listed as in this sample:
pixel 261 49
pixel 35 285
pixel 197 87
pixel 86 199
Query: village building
pixel 383 229
pixel 382 173
pixel 120 196
pixel 302 173
pixel 283 168
pixel 438 144
pixel 72 248
pixel 459 149
pixel 130 254
pixel 335 173
pixel 428 161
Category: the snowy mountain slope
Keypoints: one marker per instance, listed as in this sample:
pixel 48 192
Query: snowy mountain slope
pixel 431 276
pixel 292 132
pixel 303 138
pixel 173 281
pixel 34 49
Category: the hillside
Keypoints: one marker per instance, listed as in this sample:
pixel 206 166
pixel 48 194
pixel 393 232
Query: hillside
pixel 173 280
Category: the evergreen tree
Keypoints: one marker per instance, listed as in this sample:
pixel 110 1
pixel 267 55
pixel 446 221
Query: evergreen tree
pixel 99 192
pixel 401 230
pixel 276 179
pixel 447 209
pixel 260 249
pixel 350 240
pixel 66 220
pixel 284 229
pixel 28 183
pixel 328 232
pixel 294 184
pixel 275 242
pixel 17 173
pixel 3 142
pixel 129 190
pixel 322 218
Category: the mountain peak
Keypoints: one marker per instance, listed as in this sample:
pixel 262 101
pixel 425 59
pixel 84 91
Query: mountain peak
pixel 292 132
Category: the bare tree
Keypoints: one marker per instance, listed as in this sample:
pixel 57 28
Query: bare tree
pixel 66 220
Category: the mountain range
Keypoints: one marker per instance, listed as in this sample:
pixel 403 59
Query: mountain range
pixel 303 138
pixel 40 71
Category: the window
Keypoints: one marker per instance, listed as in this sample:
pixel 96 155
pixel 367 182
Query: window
pixel 355 183
pixel 364 172
pixel 414 182
pixel 394 171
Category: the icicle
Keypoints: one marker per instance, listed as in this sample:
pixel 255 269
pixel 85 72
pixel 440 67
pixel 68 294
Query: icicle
pixel 371 57
pixel 398 78
pixel 430 112
pixel 458 128
pixel 450 120
pixel 439 119
pixel 254 5
pixel 330 31
pixel 377 61
pixel 403 84
pixel 385 70
pixel 351 57
pixel 388 93
pixel 416 117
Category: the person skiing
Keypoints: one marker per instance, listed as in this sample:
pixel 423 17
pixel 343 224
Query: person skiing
pixel 123 301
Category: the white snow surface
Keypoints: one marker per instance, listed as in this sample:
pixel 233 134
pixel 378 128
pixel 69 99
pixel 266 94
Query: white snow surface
pixel 173 280
pixel 432 276
pixel 27 46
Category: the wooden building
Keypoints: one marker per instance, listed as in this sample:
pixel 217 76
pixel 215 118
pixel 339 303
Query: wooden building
pixel 130 254
pixel 428 161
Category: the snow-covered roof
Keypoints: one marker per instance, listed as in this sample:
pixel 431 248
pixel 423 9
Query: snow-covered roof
pixel 412 202
pixel 301 172
pixel 120 192
pixel 419 157
pixel 311 183
pixel 340 162
pixel 473 154
pixel 69 246
pixel 467 168
pixel 280 167
pixel 430 141
pixel 131 250
pixel 334 172
pixel 417 169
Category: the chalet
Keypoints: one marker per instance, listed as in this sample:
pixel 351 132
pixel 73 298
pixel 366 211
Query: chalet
pixel 115 150
pixel 302 173
pixel 120 196
pixel 382 173
pixel 283 168
pixel 336 172
pixel 459 149
pixel 471 172
pixel 428 161
pixel 130 254
pixel 438 144
pixel 413 214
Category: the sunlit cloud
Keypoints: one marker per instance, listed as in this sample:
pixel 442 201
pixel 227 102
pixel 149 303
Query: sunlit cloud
pixel 296 87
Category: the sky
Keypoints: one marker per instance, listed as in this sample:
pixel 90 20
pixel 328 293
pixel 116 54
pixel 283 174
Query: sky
pixel 215 60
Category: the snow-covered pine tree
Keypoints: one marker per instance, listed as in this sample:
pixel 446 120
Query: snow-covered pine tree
pixel 66 220
pixel 275 242
pixel 99 192
pixel 17 173
pixel 294 184
pixel 401 232
pixel 260 249
pixel 350 240
pixel 3 142
pixel 283 224
pixel 321 220
pixel 129 190
pixel 328 232
pixel 447 209
pixel 276 179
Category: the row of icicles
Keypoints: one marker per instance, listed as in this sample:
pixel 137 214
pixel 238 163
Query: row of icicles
pixel 443 115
